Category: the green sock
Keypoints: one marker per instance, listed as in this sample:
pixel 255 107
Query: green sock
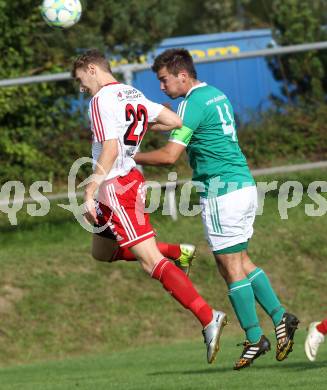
pixel 266 295
pixel 242 298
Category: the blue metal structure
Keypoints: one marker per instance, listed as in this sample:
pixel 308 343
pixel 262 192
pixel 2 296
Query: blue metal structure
pixel 247 82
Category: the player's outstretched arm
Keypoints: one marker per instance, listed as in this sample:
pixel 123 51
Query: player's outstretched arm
pixel 166 155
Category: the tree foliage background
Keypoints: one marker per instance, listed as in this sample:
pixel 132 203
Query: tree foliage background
pixel 304 73
pixel 41 135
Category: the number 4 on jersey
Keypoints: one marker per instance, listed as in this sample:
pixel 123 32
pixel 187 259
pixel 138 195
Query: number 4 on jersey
pixel 227 121
pixel 138 126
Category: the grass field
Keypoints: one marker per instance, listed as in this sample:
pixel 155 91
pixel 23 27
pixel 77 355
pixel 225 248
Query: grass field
pixel 56 302
pixel 176 366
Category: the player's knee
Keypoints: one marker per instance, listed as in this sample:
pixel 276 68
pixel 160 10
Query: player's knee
pixel 147 265
pixel 245 257
pixel 247 263
pixel 230 266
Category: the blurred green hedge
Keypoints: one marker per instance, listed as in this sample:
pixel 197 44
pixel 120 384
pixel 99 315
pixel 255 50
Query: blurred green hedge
pixel 44 146
pixel 291 134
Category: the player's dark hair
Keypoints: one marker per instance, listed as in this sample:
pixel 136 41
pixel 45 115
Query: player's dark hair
pixel 92 56
pixel 175 60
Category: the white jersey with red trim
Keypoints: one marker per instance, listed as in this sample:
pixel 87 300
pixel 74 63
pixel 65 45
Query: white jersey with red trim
pixel 120 111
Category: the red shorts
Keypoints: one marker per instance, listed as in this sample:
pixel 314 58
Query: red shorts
pixel 121 208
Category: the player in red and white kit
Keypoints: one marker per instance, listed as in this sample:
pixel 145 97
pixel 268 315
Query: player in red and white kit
pixel 119 116
pixel 113 117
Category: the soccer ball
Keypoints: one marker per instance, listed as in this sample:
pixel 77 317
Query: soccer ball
pixel 61 13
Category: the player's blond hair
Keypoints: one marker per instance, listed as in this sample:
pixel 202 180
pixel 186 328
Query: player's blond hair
pixel 92 56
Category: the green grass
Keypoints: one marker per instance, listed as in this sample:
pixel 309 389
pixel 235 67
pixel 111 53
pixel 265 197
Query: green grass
pixel 175 366
pixel 55 301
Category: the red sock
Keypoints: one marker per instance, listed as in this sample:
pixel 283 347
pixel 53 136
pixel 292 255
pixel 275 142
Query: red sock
pixel 181 288
pixel 322 327
pixel 171 251
pixel 124 254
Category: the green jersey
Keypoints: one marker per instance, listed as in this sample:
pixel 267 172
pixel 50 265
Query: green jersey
pixel 210 137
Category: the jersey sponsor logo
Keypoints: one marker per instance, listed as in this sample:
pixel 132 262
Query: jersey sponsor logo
pixel 216 99
pixel 132 94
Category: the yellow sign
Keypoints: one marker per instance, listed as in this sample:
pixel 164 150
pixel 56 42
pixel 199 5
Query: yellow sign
pixel 215 51
pixel 196 54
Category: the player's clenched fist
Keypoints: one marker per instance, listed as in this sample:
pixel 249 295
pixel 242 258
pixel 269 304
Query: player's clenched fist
pixel 90 211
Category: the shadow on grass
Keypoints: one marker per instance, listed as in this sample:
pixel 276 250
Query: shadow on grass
pixel 296 366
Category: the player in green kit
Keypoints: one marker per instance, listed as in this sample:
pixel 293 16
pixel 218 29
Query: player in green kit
pixel 228 198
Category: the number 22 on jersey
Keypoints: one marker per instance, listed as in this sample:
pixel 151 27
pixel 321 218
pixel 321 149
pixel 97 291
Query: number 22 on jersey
pixel 138 125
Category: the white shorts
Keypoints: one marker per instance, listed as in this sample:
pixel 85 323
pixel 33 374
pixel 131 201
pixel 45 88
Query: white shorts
pixel 228 219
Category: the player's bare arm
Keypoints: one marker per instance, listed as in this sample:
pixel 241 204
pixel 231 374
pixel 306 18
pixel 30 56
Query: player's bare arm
pixel 167 120
pixel 105 162
pixel 166 155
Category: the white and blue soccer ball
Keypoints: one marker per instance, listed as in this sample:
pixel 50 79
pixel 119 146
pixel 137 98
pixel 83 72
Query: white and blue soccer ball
pixel 61 13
